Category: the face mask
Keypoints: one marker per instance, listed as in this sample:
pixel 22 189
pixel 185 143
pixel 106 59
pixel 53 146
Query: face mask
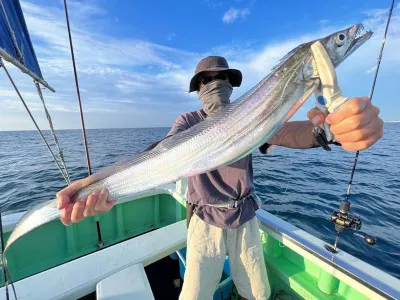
pixel 214 95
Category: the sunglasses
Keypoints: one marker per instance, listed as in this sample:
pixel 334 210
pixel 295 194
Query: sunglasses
pixel 206 79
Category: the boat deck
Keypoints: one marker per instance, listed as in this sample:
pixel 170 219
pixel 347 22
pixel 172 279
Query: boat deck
pixel 164 277
pixel 152 226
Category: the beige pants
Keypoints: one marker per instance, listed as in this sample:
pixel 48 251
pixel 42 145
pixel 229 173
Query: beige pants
pixel 207 247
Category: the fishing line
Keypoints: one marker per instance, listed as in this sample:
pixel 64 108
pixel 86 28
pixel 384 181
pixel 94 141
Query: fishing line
pixel 284 194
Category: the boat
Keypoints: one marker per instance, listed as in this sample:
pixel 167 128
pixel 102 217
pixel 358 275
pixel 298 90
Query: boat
pixel 68 262
pixel 112 256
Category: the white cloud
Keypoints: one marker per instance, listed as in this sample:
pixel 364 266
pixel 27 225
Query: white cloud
pixel 371 70
pixel 233 14
pixel 90 47
pixel 16 105
pixel 354 75
pixel 123 68
pixel 120 101
pixel 171 36
pixel 129 79
pixel 213 4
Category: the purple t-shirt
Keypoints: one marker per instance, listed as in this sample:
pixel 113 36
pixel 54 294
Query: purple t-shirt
pixel 234 181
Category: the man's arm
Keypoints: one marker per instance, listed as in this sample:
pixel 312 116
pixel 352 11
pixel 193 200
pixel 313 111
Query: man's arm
pixel 295 134
pixel 355 125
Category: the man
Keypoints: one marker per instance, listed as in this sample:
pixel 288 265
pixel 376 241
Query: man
pixel 224 220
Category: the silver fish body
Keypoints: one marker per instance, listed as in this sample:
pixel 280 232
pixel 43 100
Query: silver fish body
pixel 230 134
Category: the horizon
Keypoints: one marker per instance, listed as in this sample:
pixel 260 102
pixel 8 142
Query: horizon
pixel 134 70
pixel 106 128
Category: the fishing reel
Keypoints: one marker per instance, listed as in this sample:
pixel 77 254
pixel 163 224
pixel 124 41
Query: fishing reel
pixel 344 220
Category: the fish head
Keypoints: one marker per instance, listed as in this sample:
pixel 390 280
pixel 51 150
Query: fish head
pixel 341 44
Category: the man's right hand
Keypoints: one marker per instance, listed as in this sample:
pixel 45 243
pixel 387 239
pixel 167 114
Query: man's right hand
pixel 75 211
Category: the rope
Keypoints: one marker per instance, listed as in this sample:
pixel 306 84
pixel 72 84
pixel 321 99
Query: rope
pixel 60 152
pixel 33 120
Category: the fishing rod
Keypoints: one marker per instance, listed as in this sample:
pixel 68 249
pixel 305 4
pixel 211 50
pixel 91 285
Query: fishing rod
pixel 343 219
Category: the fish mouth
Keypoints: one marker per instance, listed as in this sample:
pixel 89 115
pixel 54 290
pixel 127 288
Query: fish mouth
pixel 360 36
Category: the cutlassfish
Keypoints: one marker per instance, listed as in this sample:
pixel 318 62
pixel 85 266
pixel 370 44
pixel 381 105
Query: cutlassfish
pixel 228 135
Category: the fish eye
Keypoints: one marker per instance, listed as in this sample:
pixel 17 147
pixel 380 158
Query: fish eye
pixel 340 39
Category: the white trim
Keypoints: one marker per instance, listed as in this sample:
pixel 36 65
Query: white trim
pixel 288 240
pixel 11 220
pixel 80 276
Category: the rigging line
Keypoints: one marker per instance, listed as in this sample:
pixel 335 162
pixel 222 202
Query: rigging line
pixel 7 277
pixel 81 112
pixel 77 90
pixel 60 152
pixel 11 31
pixel 2 253
pixel 32 118
pixel 371 94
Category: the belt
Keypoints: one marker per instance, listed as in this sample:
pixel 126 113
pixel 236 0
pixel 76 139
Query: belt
pixel 231 203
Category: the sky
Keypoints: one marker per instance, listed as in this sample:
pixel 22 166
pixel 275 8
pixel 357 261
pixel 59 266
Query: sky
pixel 135 58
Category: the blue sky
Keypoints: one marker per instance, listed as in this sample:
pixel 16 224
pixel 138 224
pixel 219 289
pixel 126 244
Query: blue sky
pixel 135 58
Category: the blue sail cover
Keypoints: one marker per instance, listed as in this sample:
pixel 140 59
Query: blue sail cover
pixel 18 26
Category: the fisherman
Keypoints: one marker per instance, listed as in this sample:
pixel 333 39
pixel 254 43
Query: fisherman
pixel 221 203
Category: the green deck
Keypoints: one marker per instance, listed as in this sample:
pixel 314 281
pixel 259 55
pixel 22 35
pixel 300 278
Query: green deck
pixel 290 272
pixel 54 244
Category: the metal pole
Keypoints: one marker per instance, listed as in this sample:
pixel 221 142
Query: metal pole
pixel 77 90
pixel 80 109
pixel 24 69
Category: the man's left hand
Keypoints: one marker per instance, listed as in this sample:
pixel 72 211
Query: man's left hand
pixel 356 124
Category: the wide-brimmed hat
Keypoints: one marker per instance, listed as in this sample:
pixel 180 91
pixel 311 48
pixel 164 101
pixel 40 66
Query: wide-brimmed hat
pixel 215 63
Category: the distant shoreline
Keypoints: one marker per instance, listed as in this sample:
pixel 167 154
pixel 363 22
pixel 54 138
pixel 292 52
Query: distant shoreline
pixel 386 122
pixel 86 129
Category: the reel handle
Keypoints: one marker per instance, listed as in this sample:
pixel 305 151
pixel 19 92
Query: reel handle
pixel 369 239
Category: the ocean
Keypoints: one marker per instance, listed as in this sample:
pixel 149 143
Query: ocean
pixel 302 187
